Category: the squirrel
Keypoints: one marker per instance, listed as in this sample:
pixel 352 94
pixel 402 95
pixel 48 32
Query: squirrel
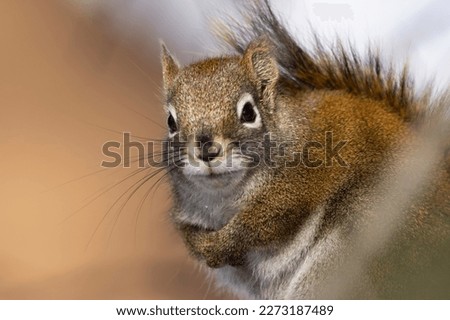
pixel 279 155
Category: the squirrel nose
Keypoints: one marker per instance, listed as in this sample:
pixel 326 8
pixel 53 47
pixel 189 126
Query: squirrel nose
pixel 209 150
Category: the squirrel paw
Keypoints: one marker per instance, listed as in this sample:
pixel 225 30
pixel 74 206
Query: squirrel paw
pixel 217 256
pixel 212 247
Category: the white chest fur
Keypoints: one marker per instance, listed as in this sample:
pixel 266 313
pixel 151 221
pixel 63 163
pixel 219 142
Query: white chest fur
pixel 288 273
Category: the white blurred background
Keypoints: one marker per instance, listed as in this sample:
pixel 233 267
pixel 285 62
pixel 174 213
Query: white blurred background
pixel 416 30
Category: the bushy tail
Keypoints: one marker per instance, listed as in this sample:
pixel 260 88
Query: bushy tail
pixel 334 67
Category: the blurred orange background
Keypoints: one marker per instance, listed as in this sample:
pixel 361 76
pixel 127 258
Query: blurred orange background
pixel 66 87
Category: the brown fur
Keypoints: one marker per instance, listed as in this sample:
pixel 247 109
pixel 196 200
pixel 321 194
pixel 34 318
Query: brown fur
pixel 371 108
pixel 335 67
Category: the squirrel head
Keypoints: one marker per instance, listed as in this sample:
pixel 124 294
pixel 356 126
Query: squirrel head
pixel 216 106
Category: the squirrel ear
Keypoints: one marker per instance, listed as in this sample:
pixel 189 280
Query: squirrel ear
pixel 260 63
pixel 170 66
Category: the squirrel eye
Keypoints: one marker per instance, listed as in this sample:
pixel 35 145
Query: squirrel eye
pixel 172 124
pixel 248 113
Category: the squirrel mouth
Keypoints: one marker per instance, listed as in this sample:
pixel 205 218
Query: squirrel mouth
pixel 210 174
pixel 227 168
pixel 216 180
